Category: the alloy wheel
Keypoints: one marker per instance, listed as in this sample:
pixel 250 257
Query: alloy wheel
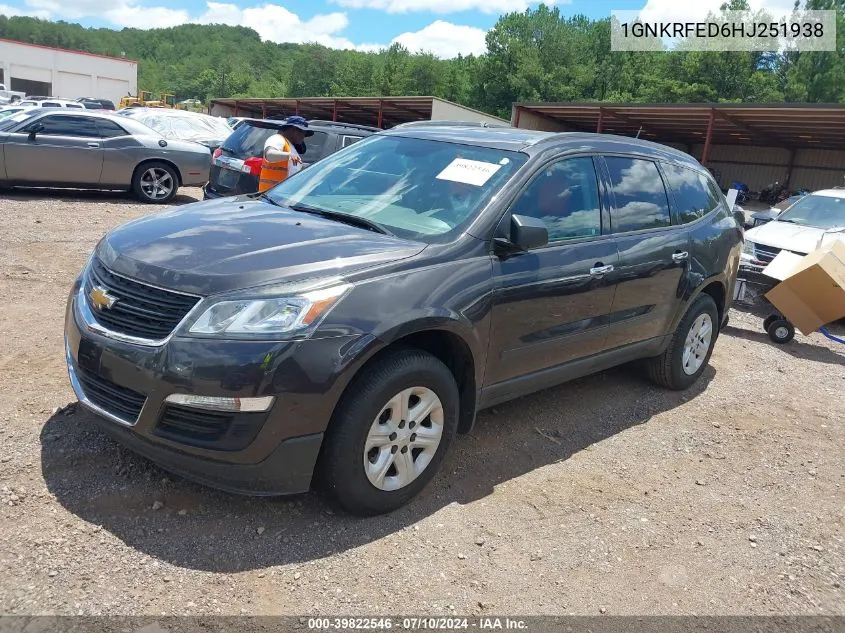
pixel 403 439
pixel 156 183
pixel 697 344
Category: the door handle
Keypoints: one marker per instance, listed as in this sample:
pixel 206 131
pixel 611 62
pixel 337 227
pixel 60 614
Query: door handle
pixel 94 145
pixel 600 269
pixel 680 256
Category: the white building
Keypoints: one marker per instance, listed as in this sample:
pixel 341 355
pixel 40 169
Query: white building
pixel 55 72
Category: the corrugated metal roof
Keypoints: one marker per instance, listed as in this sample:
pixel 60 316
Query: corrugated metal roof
pixel 384 111
pixel 776 125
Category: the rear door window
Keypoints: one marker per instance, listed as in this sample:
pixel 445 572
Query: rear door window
pixel 318 146
pixel 691 191
pixel 248 140
pixel 110 129
pixel 640 200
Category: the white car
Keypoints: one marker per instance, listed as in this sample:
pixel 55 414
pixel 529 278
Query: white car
pixel 814 220
pixel 8 111
pixel 52 103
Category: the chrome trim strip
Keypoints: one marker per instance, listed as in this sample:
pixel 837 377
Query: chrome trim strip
pixel 144 283
pixel 87 317
pixel 83 399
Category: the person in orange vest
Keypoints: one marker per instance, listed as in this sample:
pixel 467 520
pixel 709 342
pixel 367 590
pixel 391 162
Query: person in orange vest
pixel 281 158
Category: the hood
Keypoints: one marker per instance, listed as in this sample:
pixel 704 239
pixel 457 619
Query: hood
pixel 235 243
pixel 787 236
pixel 768 214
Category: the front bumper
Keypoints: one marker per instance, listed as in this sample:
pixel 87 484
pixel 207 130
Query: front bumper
pixel 272 452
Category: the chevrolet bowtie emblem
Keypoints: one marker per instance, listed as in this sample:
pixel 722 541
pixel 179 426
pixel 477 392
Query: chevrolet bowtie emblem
pixel 101 299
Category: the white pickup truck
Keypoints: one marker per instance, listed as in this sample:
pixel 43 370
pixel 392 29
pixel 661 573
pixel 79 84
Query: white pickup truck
pixel 10 96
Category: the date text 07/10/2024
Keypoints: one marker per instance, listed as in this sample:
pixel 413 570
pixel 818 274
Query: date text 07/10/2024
pixel 416 624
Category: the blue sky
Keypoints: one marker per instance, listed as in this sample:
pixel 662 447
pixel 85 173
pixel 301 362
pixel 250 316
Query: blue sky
pixel 445 27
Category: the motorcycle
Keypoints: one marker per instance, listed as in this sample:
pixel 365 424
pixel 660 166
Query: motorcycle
pixel 771 194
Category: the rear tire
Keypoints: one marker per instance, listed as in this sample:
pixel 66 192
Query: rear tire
pixel 155 183
pixel 688 353
pixel 372 461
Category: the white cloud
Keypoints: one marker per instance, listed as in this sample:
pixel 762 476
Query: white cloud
pixel 139 17
pixel 272 22
pixel 275 23
pixel 444 6
pixel 9 12
pixel 445 40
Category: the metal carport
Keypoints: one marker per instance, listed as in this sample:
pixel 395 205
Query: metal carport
pixel 381 112
pixel 802 145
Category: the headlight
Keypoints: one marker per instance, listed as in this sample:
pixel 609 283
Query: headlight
pixel 268 316
pixel 748 248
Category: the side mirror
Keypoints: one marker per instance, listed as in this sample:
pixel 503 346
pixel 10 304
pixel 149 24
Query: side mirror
pixel 35 129
pixel 525 233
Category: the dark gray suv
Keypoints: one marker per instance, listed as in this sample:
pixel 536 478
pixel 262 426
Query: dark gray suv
pixel 236 164
pixel 343 327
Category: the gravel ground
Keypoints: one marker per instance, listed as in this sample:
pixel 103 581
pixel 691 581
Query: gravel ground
pixel 605 495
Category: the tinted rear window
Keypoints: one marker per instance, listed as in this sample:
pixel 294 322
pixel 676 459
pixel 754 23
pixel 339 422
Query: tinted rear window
pixel 248 140
pixel 315 146
pixel 640 196
pixel 692 193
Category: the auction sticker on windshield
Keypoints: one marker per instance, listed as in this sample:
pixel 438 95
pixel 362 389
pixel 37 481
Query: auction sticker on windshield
pixel 469 172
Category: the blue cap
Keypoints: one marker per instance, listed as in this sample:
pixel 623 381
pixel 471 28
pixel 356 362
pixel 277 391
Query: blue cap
pixel 299 123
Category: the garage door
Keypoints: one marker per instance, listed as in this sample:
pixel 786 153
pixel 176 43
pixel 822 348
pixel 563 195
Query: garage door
pixel 112 89
pixel 19 71
pixel 72 85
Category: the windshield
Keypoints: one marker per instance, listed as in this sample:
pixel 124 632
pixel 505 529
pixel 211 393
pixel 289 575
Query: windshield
pixel 418 189
pixel 821 212
pixel 11 121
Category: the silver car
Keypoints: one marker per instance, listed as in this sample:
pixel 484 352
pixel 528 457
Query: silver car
pixel 97 151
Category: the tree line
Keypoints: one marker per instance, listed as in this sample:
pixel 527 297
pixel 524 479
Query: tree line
pixel 536 55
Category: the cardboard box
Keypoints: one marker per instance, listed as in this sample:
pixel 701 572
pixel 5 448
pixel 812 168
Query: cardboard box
pixel 811 292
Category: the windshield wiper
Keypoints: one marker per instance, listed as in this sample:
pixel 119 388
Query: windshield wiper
pixel 788 221
pixel 266 198
pixel 346 218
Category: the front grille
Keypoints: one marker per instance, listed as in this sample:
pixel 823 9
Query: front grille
pixel 140 310
pixel 765 254
pixel 120 401
pixel 209 429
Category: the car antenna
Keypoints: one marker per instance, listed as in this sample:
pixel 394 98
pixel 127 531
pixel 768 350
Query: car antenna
pixel 638 131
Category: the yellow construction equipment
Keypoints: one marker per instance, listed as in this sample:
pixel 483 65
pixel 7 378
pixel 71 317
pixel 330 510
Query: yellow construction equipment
pixel 144 98
pixel 149 100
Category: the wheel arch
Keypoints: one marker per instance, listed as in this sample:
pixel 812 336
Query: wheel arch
pixel 448 340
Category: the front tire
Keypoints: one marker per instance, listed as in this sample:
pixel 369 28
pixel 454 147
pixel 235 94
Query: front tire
pixel 389 434
pixel 690 348
pixel 155 183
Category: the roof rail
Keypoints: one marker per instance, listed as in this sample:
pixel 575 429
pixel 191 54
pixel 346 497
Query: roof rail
pixel 358 126
pixel 449 123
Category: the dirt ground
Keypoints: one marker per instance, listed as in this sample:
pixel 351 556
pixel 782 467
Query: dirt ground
pixel 606 495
